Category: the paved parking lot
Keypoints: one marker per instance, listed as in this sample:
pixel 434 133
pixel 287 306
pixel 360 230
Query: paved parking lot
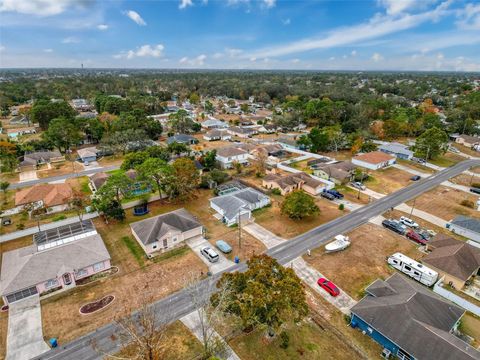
pixel 25 336
pixel 198 243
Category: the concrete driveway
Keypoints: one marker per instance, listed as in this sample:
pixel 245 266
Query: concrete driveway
pixel 28 175
pixel 197 244
pixel 25 337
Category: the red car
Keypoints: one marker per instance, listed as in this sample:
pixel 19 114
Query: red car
pixel 328 286
pixel 412 235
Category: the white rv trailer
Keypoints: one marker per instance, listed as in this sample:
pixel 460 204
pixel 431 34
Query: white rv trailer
pixel 415 270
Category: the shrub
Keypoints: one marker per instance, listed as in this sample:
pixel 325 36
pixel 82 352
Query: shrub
pixel 59 217
pixel 276 191
pixel 285 340
pixel 341 207
pixel 476 185
pixel 468 203
pixel 20 226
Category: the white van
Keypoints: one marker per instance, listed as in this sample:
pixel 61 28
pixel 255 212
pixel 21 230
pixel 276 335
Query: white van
pixel 210 254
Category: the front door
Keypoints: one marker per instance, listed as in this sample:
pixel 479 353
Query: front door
pixel 67 278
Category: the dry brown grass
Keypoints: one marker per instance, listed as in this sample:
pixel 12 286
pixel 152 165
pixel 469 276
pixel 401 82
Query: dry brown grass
pixel 388 180
pixel 465 179
pixel 364 261
pixel 281 225
pixel 444 202
pixel 415 166
pixel 64 168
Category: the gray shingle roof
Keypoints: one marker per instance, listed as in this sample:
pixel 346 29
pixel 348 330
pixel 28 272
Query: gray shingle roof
pixel 232 203
pixel 414 318
pixel 25 267
pixel 180 138
pixel 151 229
pixel 396 148
pixel 467 223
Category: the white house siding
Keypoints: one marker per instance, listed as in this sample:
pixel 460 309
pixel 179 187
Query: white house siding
pixel 465 232
pixel 373 166
pixel 226 162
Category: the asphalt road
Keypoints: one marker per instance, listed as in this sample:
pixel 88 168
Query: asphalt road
pixel 101 341
pixel 91 171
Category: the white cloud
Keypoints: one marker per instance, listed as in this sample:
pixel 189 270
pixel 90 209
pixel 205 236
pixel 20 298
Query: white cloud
pixel 135 17
pixel 185 3
pixel 217 55
pixel 253 59
pixel 295 61
pixel 378 26
pixel 143 51
pixel 102 27
pixel 354 53
pixel 70 40
pixel 394 7
pixel 233 52
pixel 286 21
pixel 2 48
pixel 48 50
pixel 35 7
pixel 269 3
pixel 197 61
pixel 331 58
pixel 377 57
pixel 469 17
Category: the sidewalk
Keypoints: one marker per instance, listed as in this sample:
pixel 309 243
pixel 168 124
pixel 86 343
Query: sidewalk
pixel 412 171
pixel 423 215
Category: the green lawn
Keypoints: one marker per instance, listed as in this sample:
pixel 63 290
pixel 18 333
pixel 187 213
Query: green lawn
pixel 177 252
pixel 135 249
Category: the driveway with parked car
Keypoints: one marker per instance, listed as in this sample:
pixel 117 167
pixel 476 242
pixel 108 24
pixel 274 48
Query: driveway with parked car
pixel 214 264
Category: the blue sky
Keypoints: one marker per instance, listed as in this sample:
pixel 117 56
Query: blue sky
pixel 242 34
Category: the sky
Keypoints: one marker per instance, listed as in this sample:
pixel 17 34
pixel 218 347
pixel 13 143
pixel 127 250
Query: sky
pixel 417 35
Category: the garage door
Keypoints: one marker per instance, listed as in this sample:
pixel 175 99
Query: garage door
pixel 19 295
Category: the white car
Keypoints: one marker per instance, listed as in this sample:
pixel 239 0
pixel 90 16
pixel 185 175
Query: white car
pixel 409 222
pixel 358 185
pixel 210 254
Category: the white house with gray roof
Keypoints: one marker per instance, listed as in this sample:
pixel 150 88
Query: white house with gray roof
pixel 167 231
pixel 398 150
pixel 227 156
pixel 466 226
pixel 239 204
pixel 56 260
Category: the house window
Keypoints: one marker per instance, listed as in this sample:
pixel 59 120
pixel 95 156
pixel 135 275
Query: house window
pixel 165 243
pixel 98 266
pixel 154 247
pixel 51 283
pixel 174 238
pixel 402 355
pixel 81 273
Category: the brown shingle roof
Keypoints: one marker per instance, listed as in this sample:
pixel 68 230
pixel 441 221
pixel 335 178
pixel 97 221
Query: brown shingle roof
pixel 51 194
pixel 374 157
pixel 230 151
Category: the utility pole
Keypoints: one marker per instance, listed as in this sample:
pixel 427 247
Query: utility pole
pixel 413 206
pixel 239 230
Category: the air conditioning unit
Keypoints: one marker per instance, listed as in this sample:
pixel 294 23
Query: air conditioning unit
pixel 386 354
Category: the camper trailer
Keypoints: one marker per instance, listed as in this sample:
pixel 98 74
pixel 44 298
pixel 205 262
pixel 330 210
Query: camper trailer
pixel 413 269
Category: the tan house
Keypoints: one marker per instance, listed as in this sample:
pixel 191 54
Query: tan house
pixel 453 259
pixel 339 172
pixel 167 231
pixel 55 197
pixel 467 140
pixel 292 182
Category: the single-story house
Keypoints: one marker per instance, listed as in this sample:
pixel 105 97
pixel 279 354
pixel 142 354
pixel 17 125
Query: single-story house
pixel 465 226
pixel 215 134
pixel 88 154
pixel 242 132
pixel 268 149
pixel 289 143
pixel 182 139
pixel 291 182
pixel 398 150
pixel 373 160
pixel 81 105
pixel 15 133
pixel 32 160
pixel 214 124
pixel 467 140
pixel 410 321
pixel 97 180
pixel 57 259
pixel 227 156
pixel 238 204
pixel 54 197
pixel 339 172
pixel 167 231
pixel 453 259
pixel 267 129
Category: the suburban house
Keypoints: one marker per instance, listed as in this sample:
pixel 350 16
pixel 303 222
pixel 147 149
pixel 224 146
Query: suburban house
pixel 410 321
pixel 215 134
pixel 242 132
pixel 87 155
pixel 182 139
pixel 267 129
pixel 339 172
pixel 465 226
pixel 167 231
pixel 268 149
pixel 398 150
pixel 54 197
pixel 291 182
pixel 15 133
pixel 97 180
pixel 467 140
pixel 238 204
pixel 373 160
pixel 288 143
pixel 57 259
pixel 454 260
pixel 214 124
pixel 32 160
pixel 227 156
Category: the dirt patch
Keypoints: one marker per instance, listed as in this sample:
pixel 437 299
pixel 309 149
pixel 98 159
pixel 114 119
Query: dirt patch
pixel 388 180
pixel 281 225
pixel 444 202
pixel 95 306
pixel 364 261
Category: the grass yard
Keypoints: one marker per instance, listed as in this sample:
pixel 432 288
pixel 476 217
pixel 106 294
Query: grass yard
pixel 364 261
pixel 281 225
pixel 465 179
pixel 387 181
pixel 447 159
pixel 302 166
pixel 444 202
pixel 470 325
pixel 415 166
pixel 464 149
pixel 352 195
pixel 178 341
pixel 339 155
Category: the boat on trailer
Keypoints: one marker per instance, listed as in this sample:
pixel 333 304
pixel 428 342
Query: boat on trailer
pixel 340 243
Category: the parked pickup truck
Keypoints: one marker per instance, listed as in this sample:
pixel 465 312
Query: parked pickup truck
pixel 335 193
pixel 394 226
pixel 412 235
pixel 327 195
